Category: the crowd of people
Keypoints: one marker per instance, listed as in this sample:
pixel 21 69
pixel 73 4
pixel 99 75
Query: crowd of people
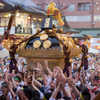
pixel 53 85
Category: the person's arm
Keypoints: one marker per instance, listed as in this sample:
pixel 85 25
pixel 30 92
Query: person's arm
pixel 34 87
pixel 6 74
pixel 4 35
pixel 33 80
pixel 54 75
pixel 14 84
pixel 54 94
pixel 80 77
pixel 47 68
pixel 67 93
pixel 10 89
pixel 81 80
pixel 22 69
pixel 38 83
pixel 77 93
pixel 25 78
pixel 42 74
pixel 71 83
pixel 60 78
pixel 83 77
pixel 13 73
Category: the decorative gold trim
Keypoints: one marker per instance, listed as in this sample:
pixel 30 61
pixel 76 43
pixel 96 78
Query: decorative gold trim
pixel 52 62
pixel 87 42
pixel 43 37
pixel 39 53
pixel 8 44
pixel 36 44
pixel 61 46
pixel 47 44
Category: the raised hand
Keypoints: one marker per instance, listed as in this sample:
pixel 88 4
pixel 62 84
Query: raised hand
pixel 70 70
pixel 37 69
pixel 13 73
pixel 60 79
pixel 46 63
pixel 28 76
pixel 62 85
pixel 71 81
pixel 9 85
pixel 38 64
pixel 40 67
pixel 56 72
pixel 33 77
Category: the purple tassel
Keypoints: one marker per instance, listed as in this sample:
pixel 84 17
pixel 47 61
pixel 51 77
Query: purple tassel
pixel 11 66
pixel 67 64
pixel 85 64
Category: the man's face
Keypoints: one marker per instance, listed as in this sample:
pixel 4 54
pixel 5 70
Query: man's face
pixel 95 83
pixel 16 82
pixel 76 61
pixel 53 85
pixel 74 67
pixel 3 89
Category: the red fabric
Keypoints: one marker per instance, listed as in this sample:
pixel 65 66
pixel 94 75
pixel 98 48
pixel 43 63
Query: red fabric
pixel 94 89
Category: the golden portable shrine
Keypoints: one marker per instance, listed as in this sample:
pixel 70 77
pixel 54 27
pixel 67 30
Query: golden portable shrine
pixel 48 43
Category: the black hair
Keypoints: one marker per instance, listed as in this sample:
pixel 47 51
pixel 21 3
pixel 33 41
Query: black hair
pixel 47 95
pixel 96 92
pixel 36 98
pixel 96 77
pixel 28 86
pixel 85 89
pixel 35 94
pixel 75 64
pixel 92 69
pixel 86 96
pixel 85 93
pixel 22 74
pixel 3 97
pixel 28 93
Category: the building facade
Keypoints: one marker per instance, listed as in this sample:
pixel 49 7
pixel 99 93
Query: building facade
pixel 27 16
pixel 79 14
